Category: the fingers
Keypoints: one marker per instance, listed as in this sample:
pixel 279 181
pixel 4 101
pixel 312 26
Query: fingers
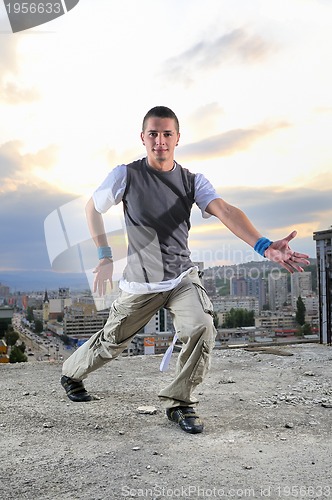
pixel 287 267
pixel 289 260
pixel 291 266
pixel 291 236
pixel 103 274
pixel 99 286
pixel 280 252
pixel 293 261
pixel 301 257
pixel 296 267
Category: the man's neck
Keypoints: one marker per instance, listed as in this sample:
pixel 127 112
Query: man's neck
pixel 161 166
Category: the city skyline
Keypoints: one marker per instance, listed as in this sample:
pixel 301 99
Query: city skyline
pixel 250 84
pixel 47 281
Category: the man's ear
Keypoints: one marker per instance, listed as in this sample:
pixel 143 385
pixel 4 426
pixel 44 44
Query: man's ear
pixel 142 138
pixel 177 142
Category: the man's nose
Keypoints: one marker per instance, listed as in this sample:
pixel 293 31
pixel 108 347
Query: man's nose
pixel 160 139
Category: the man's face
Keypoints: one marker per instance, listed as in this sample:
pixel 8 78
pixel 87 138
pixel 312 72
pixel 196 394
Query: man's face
pixel 160 138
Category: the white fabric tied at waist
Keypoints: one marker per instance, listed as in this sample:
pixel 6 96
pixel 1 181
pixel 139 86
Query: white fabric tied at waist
pixel 145 288
pixel 164 365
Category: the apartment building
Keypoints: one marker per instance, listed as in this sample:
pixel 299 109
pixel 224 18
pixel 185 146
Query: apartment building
pixel 82 321
pixel 225 304
pixel 301 286
pixel 278 290
pixel 324 272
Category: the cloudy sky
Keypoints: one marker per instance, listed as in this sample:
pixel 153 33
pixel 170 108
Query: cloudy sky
pixel 249 80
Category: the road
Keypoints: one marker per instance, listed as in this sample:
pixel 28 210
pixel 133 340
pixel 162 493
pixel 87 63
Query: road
pixel 43 346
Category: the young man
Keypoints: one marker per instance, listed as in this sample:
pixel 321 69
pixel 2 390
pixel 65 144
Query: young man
pixel 157 196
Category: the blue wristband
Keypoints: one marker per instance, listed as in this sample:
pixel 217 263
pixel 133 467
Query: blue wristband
pixel 104 253
pixel 261 245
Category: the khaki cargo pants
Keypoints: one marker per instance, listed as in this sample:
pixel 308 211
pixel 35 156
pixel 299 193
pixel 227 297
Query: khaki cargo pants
pixel 191 311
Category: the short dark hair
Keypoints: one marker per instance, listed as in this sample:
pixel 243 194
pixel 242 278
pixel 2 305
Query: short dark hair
pixel 161 112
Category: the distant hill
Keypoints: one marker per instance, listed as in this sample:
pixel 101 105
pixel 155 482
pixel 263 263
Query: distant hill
pixel 255 269
pixel 25 281
pixel 261 266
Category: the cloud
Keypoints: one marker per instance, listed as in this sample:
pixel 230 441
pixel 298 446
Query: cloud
pixel 8 54
pixel 16 169
pixel 226 143
pixel 10 161
pixel 205 117
pixel 25 202
pixel 277 208
pixel 274 211
pixel 236 46
pixel 22 218
pixel 323 110
pixel 12 92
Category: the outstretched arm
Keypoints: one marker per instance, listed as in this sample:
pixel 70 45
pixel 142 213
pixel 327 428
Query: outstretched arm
pixel 104 270
pixel 239 224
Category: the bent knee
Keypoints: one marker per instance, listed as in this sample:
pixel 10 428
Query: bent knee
pixel 198 330
pixel 203 363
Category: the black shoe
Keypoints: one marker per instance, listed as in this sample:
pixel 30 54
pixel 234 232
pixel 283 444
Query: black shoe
pixel 75 389
pixel 187 419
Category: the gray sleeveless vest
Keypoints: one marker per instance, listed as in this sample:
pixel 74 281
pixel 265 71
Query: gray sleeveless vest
pixel 157 207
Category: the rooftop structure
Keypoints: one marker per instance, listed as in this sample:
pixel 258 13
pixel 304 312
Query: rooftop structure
pixel 324 271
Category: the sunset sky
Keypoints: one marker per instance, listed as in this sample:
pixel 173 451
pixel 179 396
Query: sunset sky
pixel 249 80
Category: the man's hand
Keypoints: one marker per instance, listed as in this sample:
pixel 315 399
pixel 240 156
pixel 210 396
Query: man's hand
pixel 104 273
pixel 280 252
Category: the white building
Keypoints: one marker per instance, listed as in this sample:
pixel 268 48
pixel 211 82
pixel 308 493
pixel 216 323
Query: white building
pixel 225 304
pixel 311 303
pixel 83 321
pixel 301 286
pixel 271 322
pixel 158 323
pixel 278 290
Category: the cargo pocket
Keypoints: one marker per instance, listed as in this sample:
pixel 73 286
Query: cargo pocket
pixel 204 298
pixel 202 366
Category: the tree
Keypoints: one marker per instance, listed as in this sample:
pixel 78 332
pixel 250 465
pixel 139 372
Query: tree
pixel 65 339
pixel 223 286
pixel 11 336
pixel 39 326
pixel 306 329
pixel 29 315
pixel 300 312
pixel 3 328
pixel 16 355
pixel 22 347
pixel 239 317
